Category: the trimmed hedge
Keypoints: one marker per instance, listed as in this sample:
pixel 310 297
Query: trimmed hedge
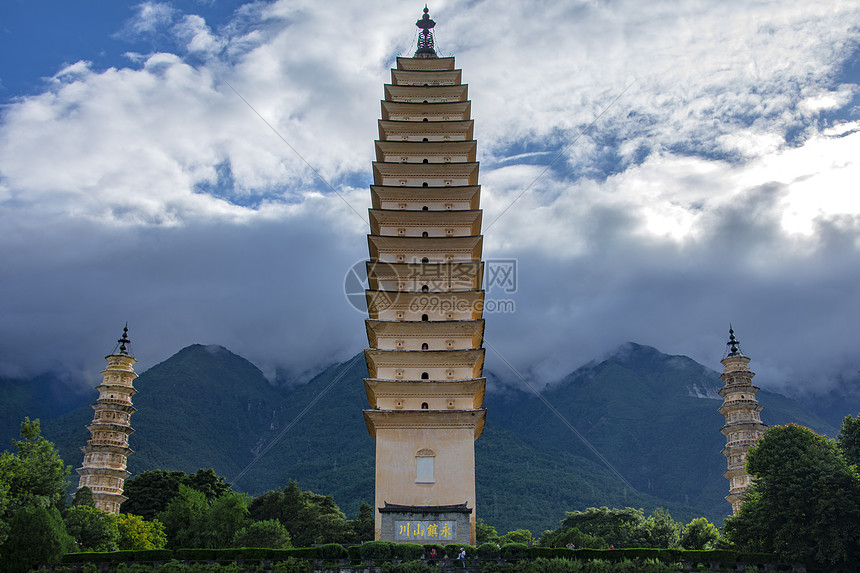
pixel 666 555
pixel 387 550
pixel 488 551
pixel 376 550
pixel 453 550
pixel 514 551
pixel 440 551
pixel 117 556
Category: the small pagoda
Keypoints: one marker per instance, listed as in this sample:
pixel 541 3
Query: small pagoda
pixel 425 303
pixel 743 425
pixel 107 451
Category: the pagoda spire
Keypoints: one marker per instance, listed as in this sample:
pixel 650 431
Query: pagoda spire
pixel 426 47
pixel 124 342
pixel 733 344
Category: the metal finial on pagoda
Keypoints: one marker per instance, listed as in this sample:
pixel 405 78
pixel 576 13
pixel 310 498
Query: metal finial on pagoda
pixel 426 48
pixel 733 343
pixel 124 341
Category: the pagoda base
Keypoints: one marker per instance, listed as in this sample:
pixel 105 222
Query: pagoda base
pixel 437 524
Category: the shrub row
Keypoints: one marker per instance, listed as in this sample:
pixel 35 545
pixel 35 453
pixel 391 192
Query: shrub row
pixel 386 550
pixel 667 555
pixel 118 556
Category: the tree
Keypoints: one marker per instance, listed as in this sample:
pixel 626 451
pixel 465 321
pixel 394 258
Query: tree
pixel 660 530
pixel 310 518
pixel 363 526
pixel 149 492
pixel 572 536
pixel 699 534
pixel 485 533
pixel 184 519
pixel 523 536
pixel 268 533
pixel 36 535
pixel 35 475
pixel 137 533
pixel 627 527
pixel 849 439
pixel 93 529
pixel 804 504
pixel 210 484
pixel 191 521
pixel 84 496
pixel 227 515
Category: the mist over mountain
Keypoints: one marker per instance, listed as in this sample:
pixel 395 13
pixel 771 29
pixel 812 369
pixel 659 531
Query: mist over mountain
pixel 638 428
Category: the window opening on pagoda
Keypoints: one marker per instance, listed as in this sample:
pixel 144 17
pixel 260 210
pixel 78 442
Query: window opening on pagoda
pixel 425 346
pixel 425 208
pixel 425 318
pixel 425 234
pixel 425 260
pixel 425 184
pixel 425 139
pixel 425 119
pixel 425 288
pixel 425 160
pixel 425 101
pixel 425 376
pixel 424 466
pixel 425 406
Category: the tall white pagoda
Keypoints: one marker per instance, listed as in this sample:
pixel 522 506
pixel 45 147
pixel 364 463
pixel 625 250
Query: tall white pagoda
pixel 107 451
pixel 425 303
pixel 743 425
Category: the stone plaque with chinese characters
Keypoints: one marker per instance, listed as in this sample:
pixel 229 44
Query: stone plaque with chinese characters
pixel 425 530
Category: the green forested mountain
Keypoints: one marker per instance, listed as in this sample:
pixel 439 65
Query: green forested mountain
pixel 651 416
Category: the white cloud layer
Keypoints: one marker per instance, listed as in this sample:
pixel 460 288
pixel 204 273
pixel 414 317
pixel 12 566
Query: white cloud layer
pixel 721 186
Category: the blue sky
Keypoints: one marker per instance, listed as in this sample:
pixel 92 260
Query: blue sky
pixel 706 168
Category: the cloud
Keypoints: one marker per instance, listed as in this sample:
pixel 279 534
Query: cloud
pixel 190 193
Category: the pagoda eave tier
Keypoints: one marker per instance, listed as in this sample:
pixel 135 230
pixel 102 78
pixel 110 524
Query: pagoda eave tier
pixel 420 94
pixel 446 276
pixel 433 151
pixel 742 426
pixel 740 406
pixel 108 472
pixel 106 449
pixel 426 77
pixel 435 111
pixel 396 197
pixel 390 219
pixel 113 407
pixel 736 389
pixel 118 388
pixel 471 360
pixel 381 303
pixel 402 130
pixel 438 173
pixel 472 389
pixel 425 420
pixel 110 427
pixel 392 249
pixel 473 329
pixel 425 63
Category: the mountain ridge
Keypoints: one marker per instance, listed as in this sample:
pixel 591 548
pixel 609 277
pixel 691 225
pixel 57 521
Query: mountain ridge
pixel 208 407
